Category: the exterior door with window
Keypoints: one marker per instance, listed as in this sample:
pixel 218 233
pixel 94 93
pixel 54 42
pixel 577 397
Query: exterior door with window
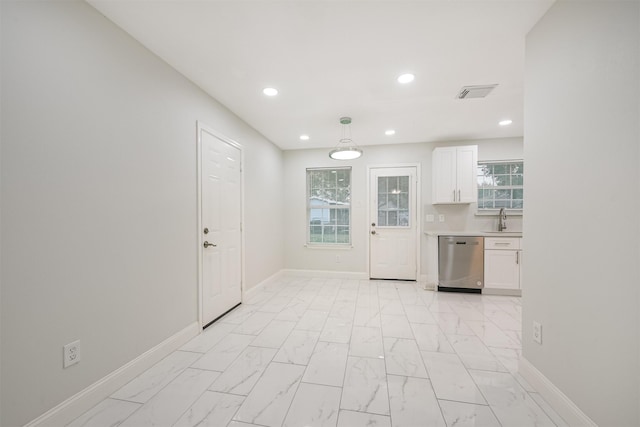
pixel 393 213
pixel 220 235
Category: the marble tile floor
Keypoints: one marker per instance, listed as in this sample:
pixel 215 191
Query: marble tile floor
pixel 329 352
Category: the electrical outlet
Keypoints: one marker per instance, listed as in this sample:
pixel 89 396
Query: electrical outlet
pixel 71 354
pixel 537 332
pixel 430 218
pixel 441 218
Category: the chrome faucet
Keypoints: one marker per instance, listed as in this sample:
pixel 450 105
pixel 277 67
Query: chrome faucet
pixel 502 220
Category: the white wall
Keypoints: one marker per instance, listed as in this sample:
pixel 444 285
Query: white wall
pixel 581 229
pixel 461 217
pixel 99 200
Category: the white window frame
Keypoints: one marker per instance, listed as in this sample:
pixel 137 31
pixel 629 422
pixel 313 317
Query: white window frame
pixel 494 211
pixel 336 207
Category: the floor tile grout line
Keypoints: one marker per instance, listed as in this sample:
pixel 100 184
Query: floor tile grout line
pixel 284 419
pixel 434 390
pixel 180 372
pixel 123 400
pixel 463 402
pixel 195 400
pixel 159 391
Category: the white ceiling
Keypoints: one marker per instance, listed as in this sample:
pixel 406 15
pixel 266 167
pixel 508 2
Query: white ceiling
pixel 341 58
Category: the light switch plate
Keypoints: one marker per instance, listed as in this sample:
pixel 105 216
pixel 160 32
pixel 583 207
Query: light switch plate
pixel 441 218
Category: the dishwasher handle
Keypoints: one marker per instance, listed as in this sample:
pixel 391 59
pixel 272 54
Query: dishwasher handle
pixel 463 242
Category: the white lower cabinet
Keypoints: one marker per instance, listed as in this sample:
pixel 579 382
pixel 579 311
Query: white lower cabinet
pixel 502 261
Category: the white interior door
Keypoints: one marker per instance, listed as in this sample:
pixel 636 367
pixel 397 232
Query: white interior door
pixel 220 234
pixel 392 238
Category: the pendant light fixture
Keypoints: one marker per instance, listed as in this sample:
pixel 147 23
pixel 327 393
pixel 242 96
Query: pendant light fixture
pixel 346 148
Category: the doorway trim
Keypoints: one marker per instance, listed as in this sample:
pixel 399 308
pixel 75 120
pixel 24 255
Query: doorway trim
pixel 418 212
pixel 201 127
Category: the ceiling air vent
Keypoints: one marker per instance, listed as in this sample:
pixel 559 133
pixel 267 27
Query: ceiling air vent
pixel 480 91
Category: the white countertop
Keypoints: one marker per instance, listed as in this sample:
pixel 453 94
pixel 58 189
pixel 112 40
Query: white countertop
pixel 436 233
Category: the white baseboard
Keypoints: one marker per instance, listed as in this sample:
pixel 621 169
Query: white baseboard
pixel 86 399
pixel 427 285
pixel 554 396
pixel 273 278
pixel 323 274
pixel 504 292
pixel 326 274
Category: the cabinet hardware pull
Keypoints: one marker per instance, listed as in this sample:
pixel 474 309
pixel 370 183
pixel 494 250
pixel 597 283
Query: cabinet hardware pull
pixel 517 257
pixel 459 198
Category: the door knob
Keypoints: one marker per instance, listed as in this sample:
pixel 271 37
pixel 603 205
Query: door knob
pixel 207 244
pixel 373 232
pixel 206 231
pixel 373 224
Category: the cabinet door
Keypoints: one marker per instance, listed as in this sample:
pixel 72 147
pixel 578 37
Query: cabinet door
pixel 501 269
pixel 444 175
pixel 466 177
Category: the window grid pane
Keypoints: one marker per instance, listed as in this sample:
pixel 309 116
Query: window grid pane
pixel 393 201
pixel 500 185
pixel 329 205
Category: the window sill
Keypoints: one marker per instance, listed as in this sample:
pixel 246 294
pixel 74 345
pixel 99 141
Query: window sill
pixel 495 212
pixel 340 247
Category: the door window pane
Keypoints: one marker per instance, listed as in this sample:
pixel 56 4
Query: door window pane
pixel 403 201
pixel 392 218
pixel 382 218
pixel 393 201
pixel 403 218
pixel 382 201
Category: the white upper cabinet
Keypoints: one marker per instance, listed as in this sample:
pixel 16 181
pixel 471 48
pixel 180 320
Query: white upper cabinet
pixel 454 174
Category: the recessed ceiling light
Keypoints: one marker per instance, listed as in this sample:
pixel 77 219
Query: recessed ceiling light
pixel 505 122
pixel 390 132
pixel 304 137
pixel 270 91
pixel 406 78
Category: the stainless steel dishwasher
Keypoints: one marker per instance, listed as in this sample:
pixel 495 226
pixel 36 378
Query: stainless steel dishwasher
pixel 461 263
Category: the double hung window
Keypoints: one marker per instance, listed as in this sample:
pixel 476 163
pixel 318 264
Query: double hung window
pixel 500 185
pixel 329 206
